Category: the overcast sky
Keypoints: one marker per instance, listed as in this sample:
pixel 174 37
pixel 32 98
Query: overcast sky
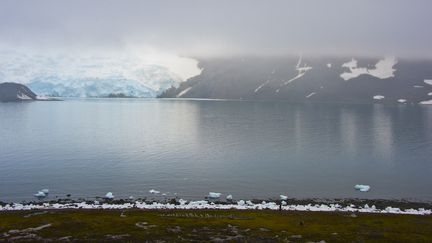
pixel 221 27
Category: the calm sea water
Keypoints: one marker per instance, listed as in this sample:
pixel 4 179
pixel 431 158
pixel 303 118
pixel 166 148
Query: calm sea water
pixel 190 147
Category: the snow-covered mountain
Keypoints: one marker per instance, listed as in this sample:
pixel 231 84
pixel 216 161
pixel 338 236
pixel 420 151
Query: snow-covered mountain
pixel 311 79
pixel 92 76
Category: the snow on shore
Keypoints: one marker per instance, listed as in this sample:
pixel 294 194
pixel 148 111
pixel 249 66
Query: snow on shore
pixel 241 205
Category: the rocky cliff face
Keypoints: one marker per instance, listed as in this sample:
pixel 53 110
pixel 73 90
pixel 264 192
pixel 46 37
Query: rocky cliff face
pixel 15 92
pixel 302 79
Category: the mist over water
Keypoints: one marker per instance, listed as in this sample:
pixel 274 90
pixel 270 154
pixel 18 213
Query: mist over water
pixel 87 147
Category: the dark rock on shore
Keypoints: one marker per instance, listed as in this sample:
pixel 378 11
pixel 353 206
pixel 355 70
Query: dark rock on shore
pixel 10 92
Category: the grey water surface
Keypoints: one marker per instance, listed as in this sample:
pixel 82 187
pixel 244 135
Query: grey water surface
pixel 87 147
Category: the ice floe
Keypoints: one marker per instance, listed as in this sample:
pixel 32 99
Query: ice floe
pixel 428 81
pixel 214 195
pixel 426 102
pixel 229 197
pixel 418 86
pixel 329 65
pixel 362 188
pixel 46 191
pixel 241 205
pixel 40 194
pixel 378 97
pixel 383 69
pixel 402 100
pixel 152 191
pixel 109 195
pixel 283 197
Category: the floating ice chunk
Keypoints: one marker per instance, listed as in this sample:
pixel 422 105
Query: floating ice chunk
pixel 131 197
pixel 241 203
pixel 46 191
pixel 283 197
pixel 229 197
pixel 214 195
pixel 96 202
pixel 378 97
pixel 418 86
pixel 402 100
pixel 426 102
pixel 284 203
pixel 428 81
pixel 40 194
pixel 362 188
pixel 152 191
pixel 430 94
pixel 329 65
pixel 109 195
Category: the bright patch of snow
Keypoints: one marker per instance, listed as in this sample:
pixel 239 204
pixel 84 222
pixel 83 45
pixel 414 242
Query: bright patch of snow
pixel 310 95
pixel 402 100
pixel 261 85
pixel 22 96
pixel 241 205
pixel 362 188
pixel 378 97
pixel 183 92
pixel 383 69
pixel 109 195
pixel 214 195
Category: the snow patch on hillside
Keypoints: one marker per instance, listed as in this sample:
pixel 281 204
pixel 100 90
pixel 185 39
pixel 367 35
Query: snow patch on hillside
pixel 383 69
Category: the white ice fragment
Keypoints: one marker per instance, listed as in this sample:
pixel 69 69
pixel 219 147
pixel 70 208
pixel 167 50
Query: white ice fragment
pixel 402 100
pixel 418 86
pixel 378 97
pixel 430 94
pixel 152 191
pixel 362 188
pixel 46 191
pixel 241 203
pixel 428 81
pixel 229 197
pixel 426 102
pixel 284 203
pixel 40 194
pixel 214 195
pixel 283 197
pixel 109 195
pixel 329 65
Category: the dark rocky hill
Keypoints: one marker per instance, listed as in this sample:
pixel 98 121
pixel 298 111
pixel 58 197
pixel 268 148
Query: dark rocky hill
pixel 297 79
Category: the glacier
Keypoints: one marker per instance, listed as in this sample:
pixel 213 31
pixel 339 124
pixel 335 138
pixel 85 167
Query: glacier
pixel 67 75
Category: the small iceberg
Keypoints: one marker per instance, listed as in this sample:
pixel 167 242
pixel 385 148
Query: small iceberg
pixel 362 188
pixel 109 195
pixel 229 197
pixel 283 203
pixel 46 191
pixel 40 194
pixel 214 195
pixel 283 197
pixel 152 191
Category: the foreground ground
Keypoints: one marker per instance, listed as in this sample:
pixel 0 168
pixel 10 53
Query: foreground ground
pixel 211 225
